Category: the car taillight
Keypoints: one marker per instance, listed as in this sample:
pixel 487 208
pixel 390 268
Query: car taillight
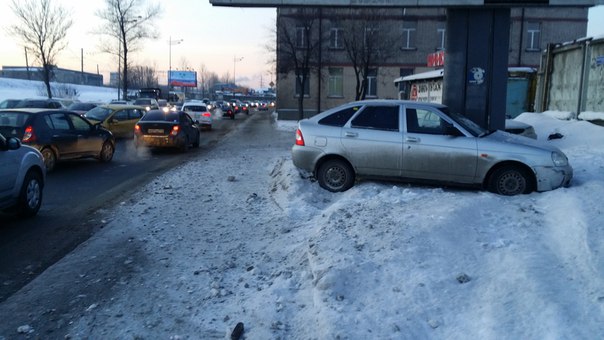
pixel 28 135
pixel 206 114
pixel 175 129
pixel 137 129
pixel 299 138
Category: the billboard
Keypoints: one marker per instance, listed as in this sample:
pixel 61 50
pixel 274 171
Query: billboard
pixel 182 78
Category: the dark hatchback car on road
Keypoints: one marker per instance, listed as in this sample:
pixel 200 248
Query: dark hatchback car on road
pixel 58 134
pixel 172 129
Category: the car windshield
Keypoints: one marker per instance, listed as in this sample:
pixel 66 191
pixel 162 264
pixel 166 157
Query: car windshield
pixel 142 102
pixel 98 113
pixel 194 108
pixel 32 104
pixel 473 128
pixel 160 116
pixel 13 119
pixel 9 103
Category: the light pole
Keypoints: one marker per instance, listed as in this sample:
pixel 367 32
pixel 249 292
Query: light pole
pixel 235 60
pixel 171 42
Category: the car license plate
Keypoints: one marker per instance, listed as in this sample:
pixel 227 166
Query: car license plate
pixel 156 130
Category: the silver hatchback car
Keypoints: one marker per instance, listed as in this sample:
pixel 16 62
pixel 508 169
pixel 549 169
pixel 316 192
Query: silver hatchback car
pixel 22 175
pixel 422 142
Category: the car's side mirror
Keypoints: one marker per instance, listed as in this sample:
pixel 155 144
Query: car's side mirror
pixel 14 143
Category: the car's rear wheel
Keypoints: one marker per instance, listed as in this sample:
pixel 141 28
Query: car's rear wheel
pixel 50 159
pixel 30 198
pixel 335 175
pixel 511 180
pixel 185 146
pixel 107 151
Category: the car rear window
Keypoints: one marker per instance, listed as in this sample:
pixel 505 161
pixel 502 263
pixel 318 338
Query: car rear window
pixel 195 108
pixel 160 116
pixel 378 117
pixel 339 118
pixel 13 119
pixel 82 106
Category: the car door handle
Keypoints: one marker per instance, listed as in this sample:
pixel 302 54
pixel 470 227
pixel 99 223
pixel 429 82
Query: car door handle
pixel 412 139
pixel 351 134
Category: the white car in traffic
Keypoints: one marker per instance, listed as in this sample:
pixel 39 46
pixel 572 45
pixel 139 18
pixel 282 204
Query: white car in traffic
pixel 200 113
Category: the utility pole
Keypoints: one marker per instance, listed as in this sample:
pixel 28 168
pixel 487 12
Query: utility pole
pixel 82 58
pixel 27 64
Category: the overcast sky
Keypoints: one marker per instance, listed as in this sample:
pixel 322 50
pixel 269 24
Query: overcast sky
pixel 213 36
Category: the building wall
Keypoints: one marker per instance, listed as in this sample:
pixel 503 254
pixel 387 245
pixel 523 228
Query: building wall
pixel 555 24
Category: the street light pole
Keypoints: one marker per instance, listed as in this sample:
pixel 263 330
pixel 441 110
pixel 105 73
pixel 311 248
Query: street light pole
pixel 171 42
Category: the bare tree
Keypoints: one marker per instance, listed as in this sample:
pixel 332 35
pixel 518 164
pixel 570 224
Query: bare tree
pixel 42 27
pixel 143 76
pixel 128 22
pixel 298 33
pixel 365 45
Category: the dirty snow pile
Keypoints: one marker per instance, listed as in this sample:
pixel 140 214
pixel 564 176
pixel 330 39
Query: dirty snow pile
pixel 240 235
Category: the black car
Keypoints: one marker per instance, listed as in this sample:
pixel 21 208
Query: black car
pixel 58 134
pixel 172 129
pixel 82 107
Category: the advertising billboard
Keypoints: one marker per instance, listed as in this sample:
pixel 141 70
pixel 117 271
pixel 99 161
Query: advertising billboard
pixel 182 78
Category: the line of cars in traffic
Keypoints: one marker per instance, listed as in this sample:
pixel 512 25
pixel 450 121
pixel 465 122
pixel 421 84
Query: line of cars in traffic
pixel 34 139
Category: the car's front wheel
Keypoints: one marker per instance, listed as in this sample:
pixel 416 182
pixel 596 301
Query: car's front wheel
pixel 335 175
pixel 30 198
pixel 511 180
pixel 107 151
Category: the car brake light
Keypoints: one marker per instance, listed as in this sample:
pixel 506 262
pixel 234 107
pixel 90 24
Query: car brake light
pixel 206 114
pixel 137 128
pixel 299 138
pixel 28 135
pixel 175 129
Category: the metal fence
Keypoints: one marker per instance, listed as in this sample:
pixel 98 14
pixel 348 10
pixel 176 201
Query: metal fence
pixel 571 77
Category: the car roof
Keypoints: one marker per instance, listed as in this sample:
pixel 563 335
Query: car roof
pixel 34 110
pixel 122 106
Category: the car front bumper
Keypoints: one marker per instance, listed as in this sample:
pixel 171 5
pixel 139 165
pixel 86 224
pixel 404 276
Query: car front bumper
pixel 550 178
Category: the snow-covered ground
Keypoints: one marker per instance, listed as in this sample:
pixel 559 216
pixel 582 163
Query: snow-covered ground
pixel 239 235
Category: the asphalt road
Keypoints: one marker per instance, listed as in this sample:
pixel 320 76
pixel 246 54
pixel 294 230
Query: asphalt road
pixel 75 196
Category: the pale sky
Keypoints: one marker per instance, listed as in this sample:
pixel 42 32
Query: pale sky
pixel 213 36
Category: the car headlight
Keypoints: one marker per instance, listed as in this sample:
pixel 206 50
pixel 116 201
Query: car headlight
pixel 559 159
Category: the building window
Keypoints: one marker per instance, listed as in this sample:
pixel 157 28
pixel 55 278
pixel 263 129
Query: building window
pixel 533 36
pixel 306 86
pixel 335 38
pixel 301 32
pixel 441 33
pixel 370 36
pixel 336 82
pixel 409 32
pixel 372 83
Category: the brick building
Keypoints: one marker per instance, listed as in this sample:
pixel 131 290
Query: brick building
pixel 404 37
